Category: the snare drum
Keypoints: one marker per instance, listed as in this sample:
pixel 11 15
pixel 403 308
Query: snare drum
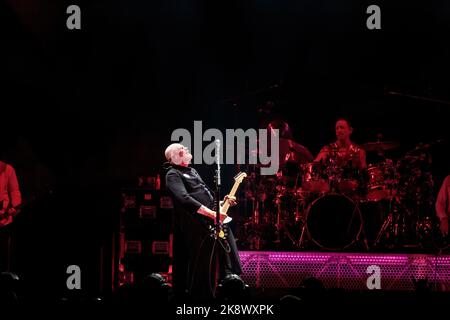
pixel 314 178
pixel 348 180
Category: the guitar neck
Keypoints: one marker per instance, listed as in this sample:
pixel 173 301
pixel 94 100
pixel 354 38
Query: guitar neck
pixel 226 205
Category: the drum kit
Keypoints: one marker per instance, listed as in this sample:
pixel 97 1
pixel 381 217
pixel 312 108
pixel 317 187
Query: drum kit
pixel 333 207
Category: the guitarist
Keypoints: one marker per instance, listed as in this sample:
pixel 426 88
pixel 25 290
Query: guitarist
pixel 10 200
pixel 193 241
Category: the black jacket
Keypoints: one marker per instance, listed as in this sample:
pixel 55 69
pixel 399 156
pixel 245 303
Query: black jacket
pixel 189 192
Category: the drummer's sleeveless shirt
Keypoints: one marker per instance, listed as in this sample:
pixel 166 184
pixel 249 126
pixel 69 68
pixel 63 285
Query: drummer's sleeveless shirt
pixel 344 157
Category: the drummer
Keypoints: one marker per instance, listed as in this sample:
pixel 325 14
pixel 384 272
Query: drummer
pixel 345 161
pixel 343 152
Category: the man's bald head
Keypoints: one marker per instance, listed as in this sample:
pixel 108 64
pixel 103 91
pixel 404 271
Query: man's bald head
pixel 178 154
pixel 170 150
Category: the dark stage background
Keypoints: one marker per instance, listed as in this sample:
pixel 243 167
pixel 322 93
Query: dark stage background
pixel 85 112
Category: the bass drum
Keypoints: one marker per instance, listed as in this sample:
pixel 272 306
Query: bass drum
pixel 334 222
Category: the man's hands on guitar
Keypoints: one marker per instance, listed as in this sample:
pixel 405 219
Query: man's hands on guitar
pixel 12 211
pixel 212 214
pixel 6 216
pixel 231 200
pixel 224 218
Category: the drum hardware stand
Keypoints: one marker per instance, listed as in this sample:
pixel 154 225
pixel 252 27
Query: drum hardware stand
pixel 302 236
pixel 303 233
pixel 363 238
pixel 257 222
pixel 281 227
pixel 300 243
pixel 256 213
pixel 366 244
pixel 387 222
pixel 278 203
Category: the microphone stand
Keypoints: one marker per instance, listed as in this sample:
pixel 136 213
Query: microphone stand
pixel 213 274
pixel 218 225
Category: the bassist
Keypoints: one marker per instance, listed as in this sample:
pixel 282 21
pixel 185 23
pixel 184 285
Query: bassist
pixel 10 200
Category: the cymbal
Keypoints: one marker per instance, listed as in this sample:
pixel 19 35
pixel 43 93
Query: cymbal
pixel 380 145
pixel 291 151
pixel 421 147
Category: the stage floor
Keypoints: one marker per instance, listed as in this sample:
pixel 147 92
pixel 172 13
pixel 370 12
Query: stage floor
pixel 350 271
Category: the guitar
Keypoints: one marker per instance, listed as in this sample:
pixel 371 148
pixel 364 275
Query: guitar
pixel 7 216
pixel 226 204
